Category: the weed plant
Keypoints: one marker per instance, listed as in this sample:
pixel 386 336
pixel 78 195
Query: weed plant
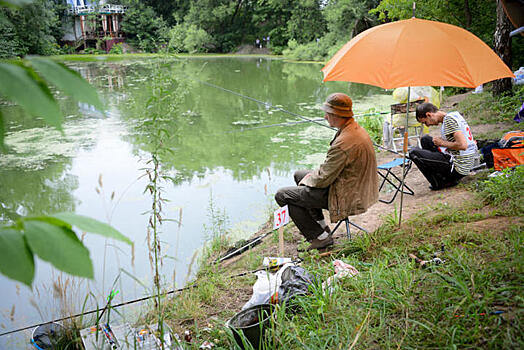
pixel 501 190
pixel 485 108
pixel 474 299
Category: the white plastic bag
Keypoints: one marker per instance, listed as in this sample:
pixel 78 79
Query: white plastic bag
pixel 266 285
pixel 417 93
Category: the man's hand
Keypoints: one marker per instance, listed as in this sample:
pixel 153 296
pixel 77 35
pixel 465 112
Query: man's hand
pixel 439 141
pixel 305 177
pixel 459 144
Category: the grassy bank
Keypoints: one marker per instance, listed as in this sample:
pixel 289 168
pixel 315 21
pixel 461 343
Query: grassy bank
pixel 473 300
pixel 127 56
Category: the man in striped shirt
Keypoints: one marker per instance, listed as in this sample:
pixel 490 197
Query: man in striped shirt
pixel 446 159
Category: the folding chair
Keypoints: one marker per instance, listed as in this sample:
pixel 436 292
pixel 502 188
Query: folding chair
pixel 348 231
pixel 393 130
pixel 385 171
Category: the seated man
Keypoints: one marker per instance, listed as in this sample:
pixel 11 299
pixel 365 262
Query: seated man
pixel 346 183
pixel 447 159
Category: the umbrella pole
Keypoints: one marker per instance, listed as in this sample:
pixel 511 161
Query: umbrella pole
pixel 405 150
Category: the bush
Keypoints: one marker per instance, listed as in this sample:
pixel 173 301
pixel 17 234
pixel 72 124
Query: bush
pixel 320 50
pixel 93 51
pixel 176 38
pixel 505 190
pixel 117 49
pixel 373 125
pixel 189 38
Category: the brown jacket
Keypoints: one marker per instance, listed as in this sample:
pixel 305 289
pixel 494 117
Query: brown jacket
pixel 350 171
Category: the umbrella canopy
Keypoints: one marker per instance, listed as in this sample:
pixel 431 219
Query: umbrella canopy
pixel 416 52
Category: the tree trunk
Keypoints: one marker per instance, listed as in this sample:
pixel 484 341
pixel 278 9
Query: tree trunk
pixel 467 13
pixel 502 42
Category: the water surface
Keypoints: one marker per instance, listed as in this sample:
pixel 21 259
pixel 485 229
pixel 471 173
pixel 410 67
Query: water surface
pixel 222 158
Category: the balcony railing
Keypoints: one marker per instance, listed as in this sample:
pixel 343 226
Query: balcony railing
pixel 104 9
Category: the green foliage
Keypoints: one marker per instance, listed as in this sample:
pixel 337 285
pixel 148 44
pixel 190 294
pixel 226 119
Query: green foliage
pixel 343 17
pixel 143 27
pixel 117 49
pixel 34 28
pixel 87 224
pixel 343 20
pixel 485 108
pixel 52 239
pixel 320 50
pixel 66 80
pixel 93 51
pixel 189 38
pixel 58 244
pixel 504 190
pixel 372 122
pixel 27 90
pixel 476 16
pixel 16 259
pixel 28 87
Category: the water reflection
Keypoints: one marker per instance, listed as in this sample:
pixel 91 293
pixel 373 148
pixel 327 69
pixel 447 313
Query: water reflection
pixel 203 128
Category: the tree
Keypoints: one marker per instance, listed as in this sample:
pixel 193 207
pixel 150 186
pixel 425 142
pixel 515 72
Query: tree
pixel 143 27
pixel 34 28
pixel 502 43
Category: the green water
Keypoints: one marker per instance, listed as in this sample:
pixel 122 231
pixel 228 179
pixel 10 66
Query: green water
pixel 218 154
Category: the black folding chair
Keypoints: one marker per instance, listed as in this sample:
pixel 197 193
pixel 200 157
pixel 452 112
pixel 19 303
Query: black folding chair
pixel 385 171
pixel 348 231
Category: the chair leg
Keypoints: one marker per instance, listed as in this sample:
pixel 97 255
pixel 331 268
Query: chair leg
pixel 348 230
pixel 398 186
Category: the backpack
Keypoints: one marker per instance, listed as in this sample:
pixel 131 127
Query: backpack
pixel 510 150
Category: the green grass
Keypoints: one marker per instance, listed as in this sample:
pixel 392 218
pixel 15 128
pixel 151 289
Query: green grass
pixel 488 109
pixel 392 303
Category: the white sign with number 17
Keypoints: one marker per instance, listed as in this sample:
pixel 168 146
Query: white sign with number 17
pixel 281 217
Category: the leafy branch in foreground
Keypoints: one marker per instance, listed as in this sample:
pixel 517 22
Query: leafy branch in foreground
pixel 25 82
pixel 52 239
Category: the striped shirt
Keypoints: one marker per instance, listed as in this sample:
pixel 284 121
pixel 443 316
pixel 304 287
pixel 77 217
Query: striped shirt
pixel 461 163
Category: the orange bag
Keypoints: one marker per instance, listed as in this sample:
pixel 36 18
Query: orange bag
pixel 512 152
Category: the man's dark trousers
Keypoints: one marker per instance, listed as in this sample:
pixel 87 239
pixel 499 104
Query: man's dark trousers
pixel 433 164
pixel 305 205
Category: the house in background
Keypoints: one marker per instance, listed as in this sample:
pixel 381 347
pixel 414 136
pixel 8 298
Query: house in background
pixel 94 22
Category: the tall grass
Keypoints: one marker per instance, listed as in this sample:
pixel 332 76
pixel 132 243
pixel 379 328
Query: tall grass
pixel 473 300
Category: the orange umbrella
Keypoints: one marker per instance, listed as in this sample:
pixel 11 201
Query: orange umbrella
pixel 416 52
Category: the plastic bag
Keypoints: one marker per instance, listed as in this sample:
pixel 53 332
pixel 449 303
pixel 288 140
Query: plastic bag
pixel 263 288
pixel 417 93
pixel 519 76
pixel 294 280
pixel 342 270
pixel 266 285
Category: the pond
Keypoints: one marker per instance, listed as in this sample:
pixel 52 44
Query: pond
pixel 207 120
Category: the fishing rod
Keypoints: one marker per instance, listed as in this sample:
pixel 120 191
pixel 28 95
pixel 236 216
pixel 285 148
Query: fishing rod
pixel 272 125
pixel 254 242
pixel 129 301
pixel 305 119
pixel 298 122
pixel 268 104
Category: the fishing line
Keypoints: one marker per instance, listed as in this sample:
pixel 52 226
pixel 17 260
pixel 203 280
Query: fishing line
pixel 272 125
pixel 267 104
pixel 129 302
pixel 306 120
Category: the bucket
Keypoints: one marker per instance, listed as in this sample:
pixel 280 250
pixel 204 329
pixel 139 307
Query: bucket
pixel 48 336
pixel 252 323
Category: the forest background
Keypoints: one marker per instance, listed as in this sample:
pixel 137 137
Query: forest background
pixel 301 30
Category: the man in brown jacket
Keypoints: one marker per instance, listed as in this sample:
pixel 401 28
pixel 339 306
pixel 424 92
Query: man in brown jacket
pixel 345 184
